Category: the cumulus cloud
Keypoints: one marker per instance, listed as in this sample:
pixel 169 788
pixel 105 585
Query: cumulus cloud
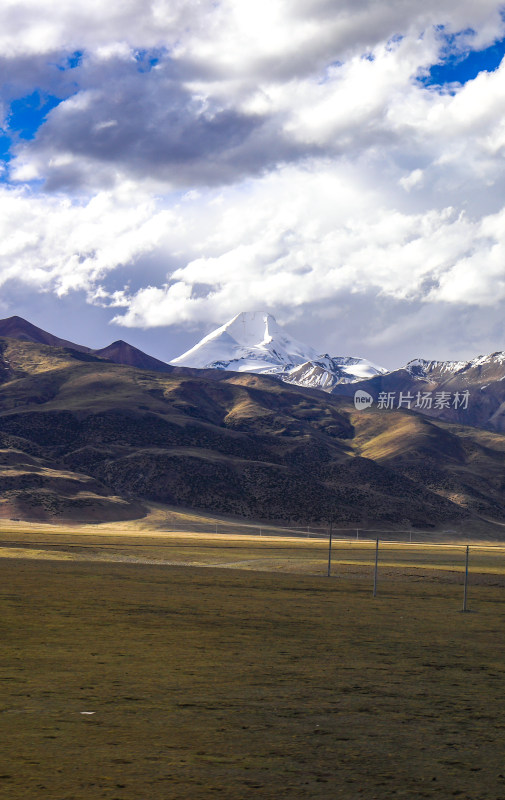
pixel 59 245
pixel 36 26
pixel 233 32
pixel 302 238
pixel 141 127
pixel 281 154
pixel 227 91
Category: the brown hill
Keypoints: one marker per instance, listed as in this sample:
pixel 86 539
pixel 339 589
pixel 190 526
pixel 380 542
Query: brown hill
pixel 118 352
pixel 121 352
pixel 84 438
pixel 19 328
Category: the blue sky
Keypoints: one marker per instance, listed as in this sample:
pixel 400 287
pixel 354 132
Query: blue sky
pixel 457 67
pixel 165 167
pixel 27 114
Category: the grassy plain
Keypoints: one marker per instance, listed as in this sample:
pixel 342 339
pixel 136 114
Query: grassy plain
pixel 170 681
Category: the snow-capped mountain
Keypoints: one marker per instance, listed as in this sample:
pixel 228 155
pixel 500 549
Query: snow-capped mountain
pixel 250 342
pixel 482 379
pixel 490 366
pixel 421 368
pixel 325 372
pixel 253 342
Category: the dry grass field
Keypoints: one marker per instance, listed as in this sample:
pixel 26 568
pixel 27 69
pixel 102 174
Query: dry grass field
pixel 169 681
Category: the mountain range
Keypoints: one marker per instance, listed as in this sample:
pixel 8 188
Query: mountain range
pixel 83 438
pixel 253 342
pixel 468 392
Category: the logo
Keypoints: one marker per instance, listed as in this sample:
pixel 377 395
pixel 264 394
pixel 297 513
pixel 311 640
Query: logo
pixel 437 401
pixel 362 399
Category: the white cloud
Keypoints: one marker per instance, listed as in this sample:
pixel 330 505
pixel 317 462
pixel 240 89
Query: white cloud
pixel 413 179
pixel 41 26
pixel 182 125
pixel 294 35
pixel 57 245
pixel 276 153
pixel 287 244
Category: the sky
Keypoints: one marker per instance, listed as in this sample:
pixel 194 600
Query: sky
pixel 166 164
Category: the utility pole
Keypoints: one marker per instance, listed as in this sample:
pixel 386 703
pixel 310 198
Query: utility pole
pixel 465 589
pixel 376 566
pixel 329 549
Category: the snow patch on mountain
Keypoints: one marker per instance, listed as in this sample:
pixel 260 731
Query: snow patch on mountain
pixel 421 368
pixel 254 342
pixel 250 342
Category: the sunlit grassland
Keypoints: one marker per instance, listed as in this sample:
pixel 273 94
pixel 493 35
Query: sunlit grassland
pixel 269 551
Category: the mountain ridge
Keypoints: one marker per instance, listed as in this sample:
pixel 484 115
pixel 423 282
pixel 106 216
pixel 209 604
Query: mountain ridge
pixel 16 327
pixel 254 343
pixel 118 352
pixel 83 439
pixel 121 352
pixel 481 380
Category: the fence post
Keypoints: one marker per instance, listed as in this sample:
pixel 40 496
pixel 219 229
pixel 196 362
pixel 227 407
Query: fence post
pixel 465 589
pixel 376 566
pixel 329 550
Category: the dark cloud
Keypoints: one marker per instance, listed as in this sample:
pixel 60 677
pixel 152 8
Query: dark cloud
pixel 179 107
pixel 147 124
